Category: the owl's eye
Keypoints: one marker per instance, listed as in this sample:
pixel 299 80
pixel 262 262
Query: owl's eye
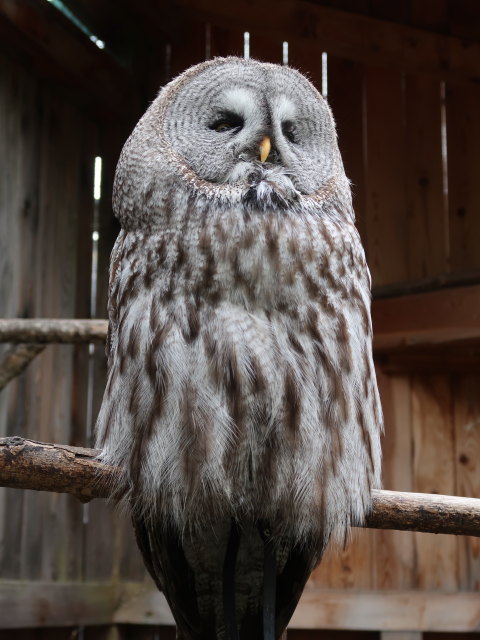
pixel 227 122
pixel 289 130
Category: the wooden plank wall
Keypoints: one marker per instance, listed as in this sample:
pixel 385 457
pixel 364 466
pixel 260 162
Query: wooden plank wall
pixel 46 175
pixel 418 214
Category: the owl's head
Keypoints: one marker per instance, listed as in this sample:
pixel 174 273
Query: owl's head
pixel 235 129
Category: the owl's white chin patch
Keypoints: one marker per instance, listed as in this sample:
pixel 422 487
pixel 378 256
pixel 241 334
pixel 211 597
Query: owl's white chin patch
pixel 264 185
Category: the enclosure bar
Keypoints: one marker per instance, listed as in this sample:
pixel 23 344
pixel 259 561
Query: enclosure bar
pixel 27 464
pixel 44 330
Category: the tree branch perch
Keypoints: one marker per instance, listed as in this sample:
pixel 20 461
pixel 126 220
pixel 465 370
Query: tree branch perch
pixel 46 330
pixel 27 464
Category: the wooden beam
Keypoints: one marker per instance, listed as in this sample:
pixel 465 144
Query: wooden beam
pixel 347 35
pixel 36 604
pixel 393 611
pixel 66 56
pixel 56 604
pixel 26 464
pixel 328 609
pixel 439 317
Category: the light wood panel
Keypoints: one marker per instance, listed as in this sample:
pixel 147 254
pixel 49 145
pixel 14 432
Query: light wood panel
pixel 25 605
pixel 322 609
pixel 467 453
pixel 434 472
pixel 393 551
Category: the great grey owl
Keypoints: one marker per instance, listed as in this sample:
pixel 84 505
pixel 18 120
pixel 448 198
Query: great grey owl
pixel 241 401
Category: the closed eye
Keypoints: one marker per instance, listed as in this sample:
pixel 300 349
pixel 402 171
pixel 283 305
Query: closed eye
pixel 289 130
pixel 227 121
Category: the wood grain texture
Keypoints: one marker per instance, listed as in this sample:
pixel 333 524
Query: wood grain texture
pixel 396 611
pixel 463 145
pixel 26 605
pixel 50 149
pixel 321 609
pixel 385 176
pixel 437 317
pixel 427 217
pixel 349 35
pixel 18 182
pixel 27 464
pixel 346 96
pixel 36 604
pixel 467 453
pixel 393 567
pixel 434 472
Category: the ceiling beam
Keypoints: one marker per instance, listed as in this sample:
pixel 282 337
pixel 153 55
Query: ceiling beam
pixel 48 42
pixel 346 35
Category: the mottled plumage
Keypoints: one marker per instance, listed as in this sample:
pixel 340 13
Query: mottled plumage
pixel 241 386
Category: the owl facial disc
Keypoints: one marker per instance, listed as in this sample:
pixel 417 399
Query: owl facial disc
pixel 251 113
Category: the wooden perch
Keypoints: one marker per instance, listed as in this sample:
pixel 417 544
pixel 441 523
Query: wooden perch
pixel 44 330
pixel 27 464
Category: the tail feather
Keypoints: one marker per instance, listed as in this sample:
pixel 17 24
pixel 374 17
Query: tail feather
pixel 229 610
pixel 269 588
pixel 233 583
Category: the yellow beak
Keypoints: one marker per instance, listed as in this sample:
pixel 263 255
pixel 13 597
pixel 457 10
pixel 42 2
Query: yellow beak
pixel 265 146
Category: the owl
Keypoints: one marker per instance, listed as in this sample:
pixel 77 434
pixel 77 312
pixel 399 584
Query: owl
pixel 241 403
